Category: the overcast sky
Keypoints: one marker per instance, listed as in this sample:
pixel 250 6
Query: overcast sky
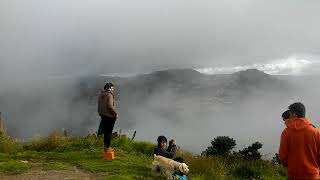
pixel 76 37
pixel 49 39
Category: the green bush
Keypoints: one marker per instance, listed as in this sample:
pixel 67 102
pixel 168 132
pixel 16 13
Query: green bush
pixel 90 142
pixel 55 141
pixel 252 152
pixel 60 143
pixel 275 159
pixel 256 169
pixel 247 172
pixel 7 144
pixel 217 162
pixel 221 145
pixel 208 167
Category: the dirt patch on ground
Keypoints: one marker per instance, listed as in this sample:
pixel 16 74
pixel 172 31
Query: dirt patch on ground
pixel 38 174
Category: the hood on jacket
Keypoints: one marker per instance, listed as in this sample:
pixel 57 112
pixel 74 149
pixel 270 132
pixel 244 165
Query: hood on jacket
pixel 298 124
pixel 160 139
pixel 106 92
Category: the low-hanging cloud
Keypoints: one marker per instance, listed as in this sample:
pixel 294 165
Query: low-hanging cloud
pixel 289 66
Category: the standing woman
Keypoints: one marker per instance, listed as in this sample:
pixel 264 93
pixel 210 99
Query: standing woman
pixel 108 114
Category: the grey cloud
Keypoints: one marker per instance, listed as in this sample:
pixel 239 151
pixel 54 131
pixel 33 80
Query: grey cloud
pixel 41 41
pixel 81 37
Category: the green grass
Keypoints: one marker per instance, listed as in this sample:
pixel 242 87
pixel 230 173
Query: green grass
pixel 13 167
pixel 56 166
pixel 133 160
pixel 125 165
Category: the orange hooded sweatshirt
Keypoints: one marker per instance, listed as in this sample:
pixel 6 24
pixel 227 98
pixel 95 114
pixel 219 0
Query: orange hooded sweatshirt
pixel 299 149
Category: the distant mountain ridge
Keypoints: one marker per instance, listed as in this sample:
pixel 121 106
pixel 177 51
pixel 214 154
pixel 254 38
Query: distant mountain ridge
pixel 185 81
pixel 167 95
pixel 177 88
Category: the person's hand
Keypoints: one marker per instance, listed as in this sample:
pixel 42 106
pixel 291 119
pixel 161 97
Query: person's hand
pixel 173 141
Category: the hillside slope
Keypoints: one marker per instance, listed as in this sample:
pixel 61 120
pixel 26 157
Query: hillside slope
pixel 57 155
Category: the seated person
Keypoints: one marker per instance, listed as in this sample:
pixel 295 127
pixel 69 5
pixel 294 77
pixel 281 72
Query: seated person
pixel 161 150
pixel 170 152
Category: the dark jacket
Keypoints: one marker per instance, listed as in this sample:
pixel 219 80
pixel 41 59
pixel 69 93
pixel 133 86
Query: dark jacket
pixel 169 153
pixel 106 104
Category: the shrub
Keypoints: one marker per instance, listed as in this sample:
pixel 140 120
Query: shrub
pixel 54 141
pixel 275 159
pixel 90 142
pixel 252 152
pixel 247 172
pixel 209 167
pixel 7 144
pixel 221 145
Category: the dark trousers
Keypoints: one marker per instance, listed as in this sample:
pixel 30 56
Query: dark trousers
pixel 105 128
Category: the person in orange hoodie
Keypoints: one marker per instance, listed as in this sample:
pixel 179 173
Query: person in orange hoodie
pixel 300 145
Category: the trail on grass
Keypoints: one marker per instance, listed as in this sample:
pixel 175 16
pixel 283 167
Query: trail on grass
pixel 38 174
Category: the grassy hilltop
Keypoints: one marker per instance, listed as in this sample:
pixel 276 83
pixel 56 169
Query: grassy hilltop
pixel 57 154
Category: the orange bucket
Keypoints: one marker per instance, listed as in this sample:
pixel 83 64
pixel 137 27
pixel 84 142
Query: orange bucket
pixel 108 155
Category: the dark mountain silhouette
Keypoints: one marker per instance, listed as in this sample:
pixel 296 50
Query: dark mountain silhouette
pixel 168 91
pixel 166 94
pixel 186 83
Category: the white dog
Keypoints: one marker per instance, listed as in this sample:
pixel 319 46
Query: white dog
pixel 169 165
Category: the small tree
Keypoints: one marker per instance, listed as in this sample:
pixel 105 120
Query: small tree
pixel 221 145
pixel 275 159
pixel 252 152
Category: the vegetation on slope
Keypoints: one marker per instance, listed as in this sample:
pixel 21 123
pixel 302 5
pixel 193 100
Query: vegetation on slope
pixel 133 159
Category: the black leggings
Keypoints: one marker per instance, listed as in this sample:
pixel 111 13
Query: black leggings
pixel 105 128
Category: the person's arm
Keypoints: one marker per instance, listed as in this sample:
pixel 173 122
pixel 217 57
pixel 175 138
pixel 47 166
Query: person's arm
pixel 164 153
pixel 110 106
pixel 172 146
pixel 173 150
pixel 284 148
